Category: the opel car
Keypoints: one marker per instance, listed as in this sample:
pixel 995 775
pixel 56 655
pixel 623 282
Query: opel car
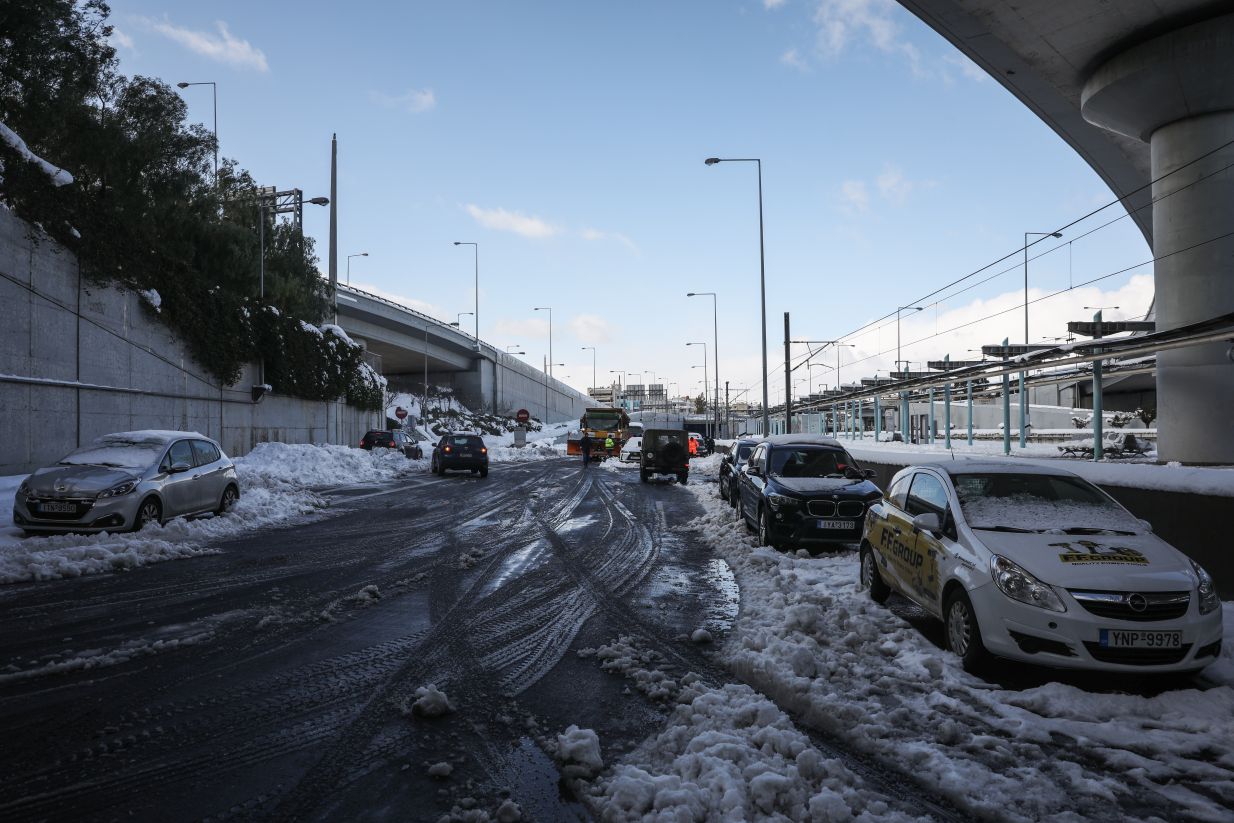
pixel 125 481
pixel 804 490
pixel 1038 565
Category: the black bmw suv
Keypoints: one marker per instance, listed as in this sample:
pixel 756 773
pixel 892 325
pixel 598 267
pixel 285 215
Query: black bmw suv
pixel 731 467
pixel 804 489
pixel 460 450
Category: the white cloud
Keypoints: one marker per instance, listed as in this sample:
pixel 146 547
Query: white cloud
pixel 413 100
pixel 794 59
pixel 855 196
pixel 223 47
pixel 430 309
pixel 595 235
pixel 772 4
pixel 512 221
pixel 531 328
pixel 893 185
pixel 591 328
pixel 967 67
pixel 122 39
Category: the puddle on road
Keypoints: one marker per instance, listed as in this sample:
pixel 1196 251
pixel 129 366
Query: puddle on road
pixel 533 779
pixel 708 597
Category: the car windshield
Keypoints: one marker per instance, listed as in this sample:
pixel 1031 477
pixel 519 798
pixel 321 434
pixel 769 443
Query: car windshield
pixel 380 437
pixel 116 453
pixel 743 453
pixel 602 421
pixel 802 461
pixel 1037 503
pixel 465 440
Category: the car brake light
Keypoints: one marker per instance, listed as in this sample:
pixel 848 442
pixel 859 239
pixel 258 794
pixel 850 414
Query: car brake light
pixel 446 449
pixel 484 450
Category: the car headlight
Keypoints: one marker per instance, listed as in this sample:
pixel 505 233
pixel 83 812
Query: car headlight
pixel 119 490
pixel 24 489
pixel 781 500
pixel 1019 585
pixel 1209 600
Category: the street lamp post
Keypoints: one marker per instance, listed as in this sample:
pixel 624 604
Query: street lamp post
pixel 361 254
pixel 477 311
pixel 706 386
pixel 214 89
pixel 1023 394
pixel 548 309
pixel 715 347
pixel 762 274
pixel 593 364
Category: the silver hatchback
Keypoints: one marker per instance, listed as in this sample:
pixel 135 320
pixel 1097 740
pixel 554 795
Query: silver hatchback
pixel 124 481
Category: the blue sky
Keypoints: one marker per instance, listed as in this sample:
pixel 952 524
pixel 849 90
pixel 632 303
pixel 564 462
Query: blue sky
pixel 568 140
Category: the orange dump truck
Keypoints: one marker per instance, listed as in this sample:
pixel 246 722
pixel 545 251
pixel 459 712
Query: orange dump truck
pixel 600 424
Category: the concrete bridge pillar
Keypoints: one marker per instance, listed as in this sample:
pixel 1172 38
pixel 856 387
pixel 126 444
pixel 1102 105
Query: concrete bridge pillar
pixel 1176 93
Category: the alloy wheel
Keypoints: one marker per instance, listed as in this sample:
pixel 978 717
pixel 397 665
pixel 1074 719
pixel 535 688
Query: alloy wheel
pixel 957 627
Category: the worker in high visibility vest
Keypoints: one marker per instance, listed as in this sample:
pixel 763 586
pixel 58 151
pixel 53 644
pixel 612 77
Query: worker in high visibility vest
pixel 609 444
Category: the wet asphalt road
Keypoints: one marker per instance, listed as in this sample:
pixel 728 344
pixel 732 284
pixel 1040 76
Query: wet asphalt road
pixel 271 680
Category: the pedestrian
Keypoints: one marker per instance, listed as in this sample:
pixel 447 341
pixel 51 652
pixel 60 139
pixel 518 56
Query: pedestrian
pixel 608 446
pixel 585 447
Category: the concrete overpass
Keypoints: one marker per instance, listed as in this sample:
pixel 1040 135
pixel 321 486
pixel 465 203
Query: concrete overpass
pixel 483 378
pixel 1142 90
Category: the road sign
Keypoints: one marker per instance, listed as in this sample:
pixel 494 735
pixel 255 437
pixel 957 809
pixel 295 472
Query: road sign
pixel 400 413
pixel 522 415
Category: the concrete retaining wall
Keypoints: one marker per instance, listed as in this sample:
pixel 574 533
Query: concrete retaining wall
pixel 79 360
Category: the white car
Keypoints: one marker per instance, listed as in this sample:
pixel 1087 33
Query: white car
pixel 1037 564
pixel 630 451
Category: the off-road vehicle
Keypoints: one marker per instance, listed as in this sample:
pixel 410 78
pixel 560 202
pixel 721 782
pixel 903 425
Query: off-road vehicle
pixel 665 451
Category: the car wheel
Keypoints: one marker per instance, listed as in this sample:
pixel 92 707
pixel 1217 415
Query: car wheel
pixel 724 488
pixel 484 472
pixel 150 511
pixel 642 475
pixel 963 633
pixel 683 478
pixel 763 527
pixel 871 580
pixel 230 495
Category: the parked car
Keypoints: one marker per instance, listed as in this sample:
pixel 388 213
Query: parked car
pixel 731 465
pixel 462 451
pixel 665 451
pixel 125 481
pixel 802 489
pixel 392 439
pixel 630 452
pixel 1038 565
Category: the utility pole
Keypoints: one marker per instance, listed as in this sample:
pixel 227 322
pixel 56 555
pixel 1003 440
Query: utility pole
pixel 334 223
pixel 788 379
pixel 725 430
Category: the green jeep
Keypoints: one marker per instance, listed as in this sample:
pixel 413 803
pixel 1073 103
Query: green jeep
pixel 665 451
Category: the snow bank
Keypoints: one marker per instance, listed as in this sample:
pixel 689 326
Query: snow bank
pixel 578 751
pixel 807 638
pixel 152 297
pixel 276 484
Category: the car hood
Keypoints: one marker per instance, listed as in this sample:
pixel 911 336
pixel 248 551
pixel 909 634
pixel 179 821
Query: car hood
pixel 1107 562
pixel 814 486
pixel 70 480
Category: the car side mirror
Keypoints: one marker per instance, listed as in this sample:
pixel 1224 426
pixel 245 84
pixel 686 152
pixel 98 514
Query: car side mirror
pixel 179 467
pixel 927 522
pixel 869 474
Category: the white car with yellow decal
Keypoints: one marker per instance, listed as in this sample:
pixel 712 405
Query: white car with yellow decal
pixel 1039 565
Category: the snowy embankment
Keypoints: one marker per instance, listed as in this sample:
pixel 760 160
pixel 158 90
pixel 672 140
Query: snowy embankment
pixel 811 641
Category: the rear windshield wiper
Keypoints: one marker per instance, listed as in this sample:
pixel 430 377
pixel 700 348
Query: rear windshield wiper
pixel 1007 529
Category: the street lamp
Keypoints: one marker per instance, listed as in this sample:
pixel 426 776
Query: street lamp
pixel 1027 340
pixel 898 310
pixel 361 254
pixel 261 234
pixel 715 348
pixel 706 388
pixel 548 309
pixel 214 89
pixel 762 273
pixel 459 319
pixel 593 363
pixel 477 311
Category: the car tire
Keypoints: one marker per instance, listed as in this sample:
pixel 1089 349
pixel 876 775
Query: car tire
pixel 871 580
pixel 963 633
pixel 150 511
pixel 474 472
pixel 231 495
pixel 642 475
pixel 724 488
pixel 764 529
pixel 683 478
pixel 484 472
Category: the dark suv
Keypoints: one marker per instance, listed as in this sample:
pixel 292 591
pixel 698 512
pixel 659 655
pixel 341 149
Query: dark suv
pixel 392 439
pixel 462 451
pixel 804 489
pixel 731 467
pixel 665 451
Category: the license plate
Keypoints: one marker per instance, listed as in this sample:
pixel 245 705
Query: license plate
pixel 464 454
pixel 834 524
pixel 1140 639
pixel 66 508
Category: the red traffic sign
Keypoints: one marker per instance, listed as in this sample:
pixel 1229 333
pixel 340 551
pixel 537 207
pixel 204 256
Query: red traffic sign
pixel 400 413
pixel 522 415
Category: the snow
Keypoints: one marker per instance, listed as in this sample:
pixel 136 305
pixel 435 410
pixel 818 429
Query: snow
pixel 431 702
pixel 808 639
pixel 701 636
pixel 116 453
pixel 1026 511
pixel 59 177
pixel 310 328
pixel 578 751
pixel 152 297
pixel 338 332
pixel 442 770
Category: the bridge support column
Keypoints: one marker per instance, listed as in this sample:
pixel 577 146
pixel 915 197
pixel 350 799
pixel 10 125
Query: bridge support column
pixel 1174 92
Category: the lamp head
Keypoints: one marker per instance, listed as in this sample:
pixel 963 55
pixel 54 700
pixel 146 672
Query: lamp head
pixel 183 85
pixel 364 254
pixel 711 161
pixel 457 242
pixel 1057 234
pixel 320 201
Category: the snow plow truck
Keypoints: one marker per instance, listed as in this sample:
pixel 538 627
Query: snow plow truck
pixel 600 424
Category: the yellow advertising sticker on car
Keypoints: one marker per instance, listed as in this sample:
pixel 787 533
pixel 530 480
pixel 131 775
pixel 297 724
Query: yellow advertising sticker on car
pixel 1086 551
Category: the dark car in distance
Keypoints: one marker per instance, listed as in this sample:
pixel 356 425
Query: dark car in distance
pixel 804 490
pixel 460 451
pixel 665 451
pixel 392 439
pixel 731 466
